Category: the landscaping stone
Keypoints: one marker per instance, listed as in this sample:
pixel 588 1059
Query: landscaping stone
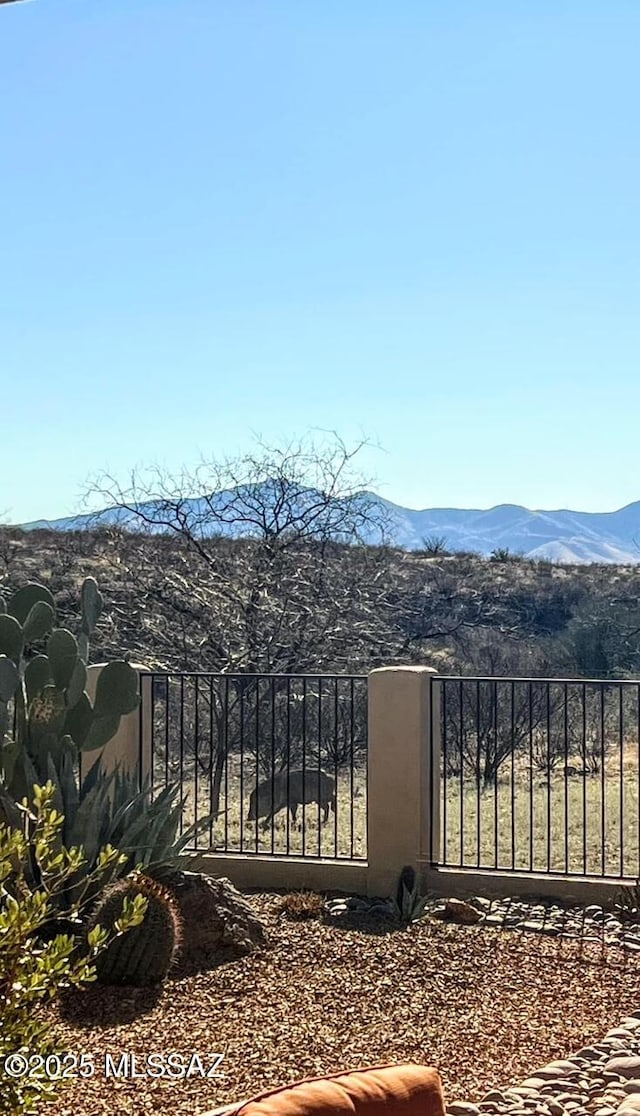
pixel 557 1069
pixel 630 1106
pixel 461 911
pixel 439 912
pixel 623 1067
pixel 481 903
pixel 602 1079
pixel 218 920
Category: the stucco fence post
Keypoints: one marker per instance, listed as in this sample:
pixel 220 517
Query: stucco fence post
pixel 130 748
pixel 403 795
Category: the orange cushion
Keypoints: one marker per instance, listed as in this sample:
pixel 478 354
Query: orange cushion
pixel 404 1090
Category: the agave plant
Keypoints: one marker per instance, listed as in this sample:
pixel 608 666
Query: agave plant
pixel 408 905
pixel 111 809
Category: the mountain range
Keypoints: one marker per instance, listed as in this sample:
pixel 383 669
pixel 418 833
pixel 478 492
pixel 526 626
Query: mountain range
pixel 560 536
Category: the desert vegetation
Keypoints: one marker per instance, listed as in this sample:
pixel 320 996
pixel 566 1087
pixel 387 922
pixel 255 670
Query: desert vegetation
pixel 259 648
pixel 270 580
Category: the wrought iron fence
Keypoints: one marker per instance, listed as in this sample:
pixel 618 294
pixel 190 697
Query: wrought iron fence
pixel 538 775
pixel 271 764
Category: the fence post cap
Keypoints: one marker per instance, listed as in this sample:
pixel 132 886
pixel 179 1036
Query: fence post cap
pixel 403 670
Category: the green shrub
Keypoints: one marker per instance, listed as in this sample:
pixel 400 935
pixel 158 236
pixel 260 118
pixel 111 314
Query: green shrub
pixel 36 961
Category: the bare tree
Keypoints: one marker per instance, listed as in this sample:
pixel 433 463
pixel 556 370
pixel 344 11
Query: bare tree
pixel 501 710
pixel 256 564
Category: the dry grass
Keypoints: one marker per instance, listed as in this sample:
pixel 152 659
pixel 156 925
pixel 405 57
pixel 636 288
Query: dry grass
pixel 531 817
pixel 535 841
pixel 344 834
pixel 486 1007
pixel 301 905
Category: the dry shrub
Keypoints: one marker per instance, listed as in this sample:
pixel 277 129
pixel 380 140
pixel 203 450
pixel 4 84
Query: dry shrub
pixel 300 905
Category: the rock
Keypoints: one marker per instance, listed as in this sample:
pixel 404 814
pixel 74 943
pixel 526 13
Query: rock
pixel 494 920
pixel 439 912
pixel 461 911
pixel 463 1108
pixel 556 1088
pixel 614 1098
pixel 624 1066
pixel 219 922
pixel 558 1069
pixel 481 903
pixel 524 1091
pixel 533 1083
pixel 555 1108
pixel 630 1106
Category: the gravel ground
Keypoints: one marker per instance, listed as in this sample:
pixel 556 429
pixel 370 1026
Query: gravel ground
pixel 485 1007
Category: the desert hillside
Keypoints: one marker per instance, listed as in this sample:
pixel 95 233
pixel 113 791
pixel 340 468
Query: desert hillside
pixel 258 606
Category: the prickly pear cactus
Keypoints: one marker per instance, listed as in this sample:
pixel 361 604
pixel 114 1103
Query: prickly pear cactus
pixel 144 955
pixel 44 695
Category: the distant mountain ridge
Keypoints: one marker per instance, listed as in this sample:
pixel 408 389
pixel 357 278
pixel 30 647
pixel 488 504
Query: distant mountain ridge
pixel 560 536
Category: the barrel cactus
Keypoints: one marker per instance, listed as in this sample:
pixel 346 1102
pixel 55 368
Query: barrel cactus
pixel 144 955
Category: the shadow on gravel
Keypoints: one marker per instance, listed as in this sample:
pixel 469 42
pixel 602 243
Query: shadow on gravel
pixel 97 1006
pixel 199 962
pixel 363 923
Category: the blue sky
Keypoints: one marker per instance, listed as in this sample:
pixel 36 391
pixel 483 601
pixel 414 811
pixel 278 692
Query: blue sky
pixel 415 220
